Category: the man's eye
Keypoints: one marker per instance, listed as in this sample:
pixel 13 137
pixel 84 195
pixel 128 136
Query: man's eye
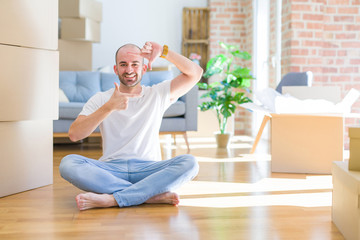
pixel 135 65
pixel 122 65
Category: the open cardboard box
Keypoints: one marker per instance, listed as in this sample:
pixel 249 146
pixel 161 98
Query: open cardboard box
pixel 304 142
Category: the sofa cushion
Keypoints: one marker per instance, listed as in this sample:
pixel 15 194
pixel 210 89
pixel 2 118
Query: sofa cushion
pixel 79 86
pixel 107 81
pixel 175 110
pixel 70 110
pixel 150 78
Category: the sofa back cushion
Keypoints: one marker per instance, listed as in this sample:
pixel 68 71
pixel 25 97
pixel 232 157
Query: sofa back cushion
pixel 150 78
pixel 79 86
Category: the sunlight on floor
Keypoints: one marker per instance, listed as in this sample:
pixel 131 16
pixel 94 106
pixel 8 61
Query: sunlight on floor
pixel 322 199
pixel 261 193
pixel 240 158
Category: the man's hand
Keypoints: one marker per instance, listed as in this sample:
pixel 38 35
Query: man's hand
pixel 151 51
pixel 119 101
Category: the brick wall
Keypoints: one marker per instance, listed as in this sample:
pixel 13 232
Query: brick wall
pixel 322 36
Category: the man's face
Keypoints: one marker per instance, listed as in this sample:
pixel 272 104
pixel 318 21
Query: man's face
pixel 129 67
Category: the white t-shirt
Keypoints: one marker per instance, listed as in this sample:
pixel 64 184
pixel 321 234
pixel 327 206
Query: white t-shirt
pixel 133 133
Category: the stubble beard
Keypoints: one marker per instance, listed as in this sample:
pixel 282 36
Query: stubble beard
pixel 131 85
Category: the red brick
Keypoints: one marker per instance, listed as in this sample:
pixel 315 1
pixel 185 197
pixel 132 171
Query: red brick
pixel 331 9
pixel 342 53
pixel 330 70
pixel 316 61
pixel 303 34
pixel 295 60
pixel 345 36
pixel 300 52
pixel 308 43
pixel 340 78
pixel 301 8
pixel 313 17
pixel 231 9
pixel 350 44
pixel 242 16
pixel 352 27
pixel 333 27
pixel 222 15
pixel 312 25
pixel 340 61
pixel 355 61
pixel 338 2
pixel 349 70
pixel 314 69
pixel 225 28
pixel 344 18
pixel 220 3
pixel 296 25
pixel 348 10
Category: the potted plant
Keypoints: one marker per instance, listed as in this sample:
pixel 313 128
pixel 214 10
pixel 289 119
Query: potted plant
pixel 224 95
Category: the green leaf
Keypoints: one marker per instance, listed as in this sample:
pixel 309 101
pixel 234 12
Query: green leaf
pixel 241 54
pixel 215 65
pixel 203 86
pixel 228 47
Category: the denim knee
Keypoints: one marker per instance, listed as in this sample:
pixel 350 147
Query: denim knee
pixel 190 164
pixel 66 165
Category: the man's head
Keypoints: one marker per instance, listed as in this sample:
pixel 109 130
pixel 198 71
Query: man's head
pixel 128 65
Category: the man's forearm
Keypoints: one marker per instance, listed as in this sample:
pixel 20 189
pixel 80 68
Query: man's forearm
pixel 83 126
pixel 190 74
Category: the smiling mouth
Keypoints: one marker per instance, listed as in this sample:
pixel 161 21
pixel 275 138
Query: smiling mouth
pixel 130 76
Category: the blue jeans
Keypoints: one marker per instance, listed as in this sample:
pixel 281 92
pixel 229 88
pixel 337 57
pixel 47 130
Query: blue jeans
pixel 131 182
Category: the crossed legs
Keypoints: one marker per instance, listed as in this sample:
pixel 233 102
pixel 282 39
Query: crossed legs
pixel 127 182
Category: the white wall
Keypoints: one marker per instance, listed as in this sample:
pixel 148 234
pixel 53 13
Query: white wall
pixel 139 21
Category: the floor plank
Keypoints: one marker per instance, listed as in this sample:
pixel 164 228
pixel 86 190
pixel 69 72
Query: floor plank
pixel 235 196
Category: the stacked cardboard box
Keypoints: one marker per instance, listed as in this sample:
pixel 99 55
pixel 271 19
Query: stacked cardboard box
pixel 29 80
pixel 80 27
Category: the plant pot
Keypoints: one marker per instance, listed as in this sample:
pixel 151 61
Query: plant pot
pixel 222 139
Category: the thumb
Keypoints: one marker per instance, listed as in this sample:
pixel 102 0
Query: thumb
pixel 150 64
pixel 116 86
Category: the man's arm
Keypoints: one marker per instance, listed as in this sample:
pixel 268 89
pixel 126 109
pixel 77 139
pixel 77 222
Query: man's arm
pixel 190 71
pixel 83 125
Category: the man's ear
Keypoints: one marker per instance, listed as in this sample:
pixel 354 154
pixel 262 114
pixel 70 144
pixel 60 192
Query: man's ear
pixel 115 70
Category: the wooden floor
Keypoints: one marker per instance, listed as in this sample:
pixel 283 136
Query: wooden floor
pixel 235 196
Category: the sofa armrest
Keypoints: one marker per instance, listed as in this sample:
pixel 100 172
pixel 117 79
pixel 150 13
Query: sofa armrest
pixel 191 112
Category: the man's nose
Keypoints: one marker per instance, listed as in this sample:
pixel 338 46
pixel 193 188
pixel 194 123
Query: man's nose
pixel 129 68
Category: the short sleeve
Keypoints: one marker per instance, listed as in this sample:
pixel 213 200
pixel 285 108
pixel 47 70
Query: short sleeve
pixel 163 89
pixel 94 103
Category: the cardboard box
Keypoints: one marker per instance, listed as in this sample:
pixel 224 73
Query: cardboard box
pixel 75 55
pixel 305 143
pixel 80 29
pixel 25 164
pixel 80 9
pixel 29 24
pixel 346 200
pixel 354 160
pixel 29 83
pixel 307 138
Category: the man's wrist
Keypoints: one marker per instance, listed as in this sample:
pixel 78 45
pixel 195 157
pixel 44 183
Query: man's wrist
pixel 165 51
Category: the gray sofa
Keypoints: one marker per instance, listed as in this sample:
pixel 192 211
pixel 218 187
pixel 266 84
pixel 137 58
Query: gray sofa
pixel 79 86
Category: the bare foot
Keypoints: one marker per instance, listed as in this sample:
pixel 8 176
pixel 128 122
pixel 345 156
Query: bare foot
pixel 92 200
pixel 168 198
